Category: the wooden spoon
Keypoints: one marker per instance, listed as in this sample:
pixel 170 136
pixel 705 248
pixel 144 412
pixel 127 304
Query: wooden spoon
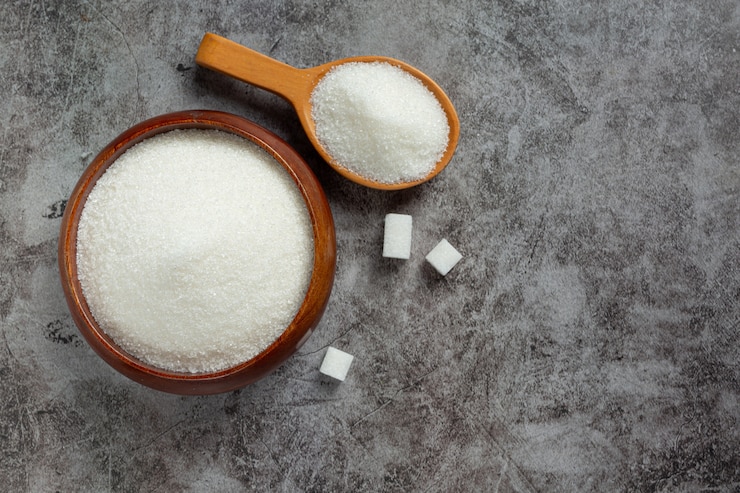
pixel 295 85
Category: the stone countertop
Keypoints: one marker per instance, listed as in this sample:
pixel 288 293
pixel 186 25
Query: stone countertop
pixel 588 340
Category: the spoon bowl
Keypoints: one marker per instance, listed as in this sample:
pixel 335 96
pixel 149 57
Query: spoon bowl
pixel 296 86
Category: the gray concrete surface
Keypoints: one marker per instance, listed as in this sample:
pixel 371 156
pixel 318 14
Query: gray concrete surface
pixel 588 341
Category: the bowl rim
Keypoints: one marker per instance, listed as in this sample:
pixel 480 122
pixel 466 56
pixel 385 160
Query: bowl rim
pixel 294 335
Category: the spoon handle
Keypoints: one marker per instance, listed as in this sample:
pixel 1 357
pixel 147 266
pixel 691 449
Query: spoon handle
pixel 227 57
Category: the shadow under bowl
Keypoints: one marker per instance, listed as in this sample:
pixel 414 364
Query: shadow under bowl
pixel 310 311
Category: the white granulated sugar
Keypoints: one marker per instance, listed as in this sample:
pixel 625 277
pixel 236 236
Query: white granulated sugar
pixel 379 121
pixel 397 236
pixel 195 250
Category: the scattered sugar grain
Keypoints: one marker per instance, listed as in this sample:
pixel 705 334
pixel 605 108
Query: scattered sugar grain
pixel 195 250
pixel 443 257
pixel 397 236
pixel 379 121
pixel 336 363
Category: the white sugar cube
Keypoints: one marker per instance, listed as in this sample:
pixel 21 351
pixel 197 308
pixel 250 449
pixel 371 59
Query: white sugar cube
pixel 336 363
pixel 397 239
pixel 443 257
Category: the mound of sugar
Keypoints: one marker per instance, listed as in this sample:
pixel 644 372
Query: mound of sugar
pixel 379 121
pixel 195 250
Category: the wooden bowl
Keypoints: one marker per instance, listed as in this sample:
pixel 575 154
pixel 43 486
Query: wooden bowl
pixel 293 336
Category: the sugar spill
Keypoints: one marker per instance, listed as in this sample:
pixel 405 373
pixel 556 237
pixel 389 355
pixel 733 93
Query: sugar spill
pixel 195 250
pixel 379 121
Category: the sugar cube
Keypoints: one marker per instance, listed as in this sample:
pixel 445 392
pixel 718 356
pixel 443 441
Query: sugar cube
pixel 397 239
pixel 336 363
pixel 443 257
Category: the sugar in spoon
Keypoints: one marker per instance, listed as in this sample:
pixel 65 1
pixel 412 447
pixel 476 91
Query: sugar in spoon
pixel 297 85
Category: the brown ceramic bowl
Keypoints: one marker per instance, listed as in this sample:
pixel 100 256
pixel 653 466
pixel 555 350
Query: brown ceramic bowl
pixel 293 336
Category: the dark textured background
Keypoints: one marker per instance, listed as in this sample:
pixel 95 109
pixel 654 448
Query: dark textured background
pixel 588 340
